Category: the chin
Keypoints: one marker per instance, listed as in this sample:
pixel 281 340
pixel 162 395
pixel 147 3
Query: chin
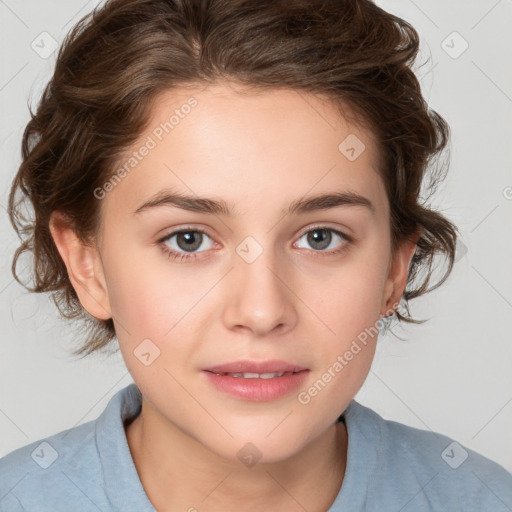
pixel 258 448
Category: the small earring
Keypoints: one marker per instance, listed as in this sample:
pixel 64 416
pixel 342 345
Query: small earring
pixel 389 316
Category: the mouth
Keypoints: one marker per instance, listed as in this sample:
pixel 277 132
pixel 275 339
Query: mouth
pixel 256 381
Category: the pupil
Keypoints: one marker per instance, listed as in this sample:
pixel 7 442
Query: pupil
pixel 320 236
pixel 191 240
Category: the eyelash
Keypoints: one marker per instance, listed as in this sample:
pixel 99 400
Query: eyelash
pixel 179 256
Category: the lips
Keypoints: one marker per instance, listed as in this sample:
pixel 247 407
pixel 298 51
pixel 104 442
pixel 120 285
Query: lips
pixel 259 384
pixel 259 381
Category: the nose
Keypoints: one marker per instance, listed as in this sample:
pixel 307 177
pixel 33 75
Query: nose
pixel 258 297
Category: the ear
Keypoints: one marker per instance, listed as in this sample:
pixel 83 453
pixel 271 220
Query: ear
pixel 84 266
pixel 398 274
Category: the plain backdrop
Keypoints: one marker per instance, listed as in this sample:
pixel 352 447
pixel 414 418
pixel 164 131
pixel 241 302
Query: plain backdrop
pixel 451 374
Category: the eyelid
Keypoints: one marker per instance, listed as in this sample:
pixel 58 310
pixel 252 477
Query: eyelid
pixel 322 225
pixel 178 230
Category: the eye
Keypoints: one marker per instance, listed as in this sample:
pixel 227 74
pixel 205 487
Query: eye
pixel 184 243
pixel 323 237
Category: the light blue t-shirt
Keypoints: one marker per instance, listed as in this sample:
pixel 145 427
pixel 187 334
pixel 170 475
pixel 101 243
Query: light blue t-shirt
pixel 390 468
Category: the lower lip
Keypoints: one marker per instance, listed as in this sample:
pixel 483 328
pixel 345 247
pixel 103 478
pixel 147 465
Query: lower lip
pixel 257 390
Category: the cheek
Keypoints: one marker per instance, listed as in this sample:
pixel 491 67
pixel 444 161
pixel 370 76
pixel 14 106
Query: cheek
pixel 139 293
pixel 138 303
pixel 350 308
pixel 352 300
pixel 354 318
pixel 157 301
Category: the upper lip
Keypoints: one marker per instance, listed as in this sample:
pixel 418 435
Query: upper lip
pixel 246 366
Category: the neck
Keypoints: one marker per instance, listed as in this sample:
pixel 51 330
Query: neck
pixel 179 473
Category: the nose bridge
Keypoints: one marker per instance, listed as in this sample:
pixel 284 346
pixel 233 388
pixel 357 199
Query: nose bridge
pixel 257 297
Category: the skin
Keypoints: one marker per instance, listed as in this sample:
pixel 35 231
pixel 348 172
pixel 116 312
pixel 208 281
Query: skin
pixel 258 151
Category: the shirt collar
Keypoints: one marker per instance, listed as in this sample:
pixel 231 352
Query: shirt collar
pixel 122 483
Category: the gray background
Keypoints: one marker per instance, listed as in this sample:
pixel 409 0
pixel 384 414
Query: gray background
pixel 451 375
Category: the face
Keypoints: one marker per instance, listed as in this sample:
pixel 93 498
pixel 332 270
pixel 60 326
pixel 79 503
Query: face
pixel 191 289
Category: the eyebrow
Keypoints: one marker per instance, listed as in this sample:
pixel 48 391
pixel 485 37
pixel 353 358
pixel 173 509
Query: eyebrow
pixel 220 207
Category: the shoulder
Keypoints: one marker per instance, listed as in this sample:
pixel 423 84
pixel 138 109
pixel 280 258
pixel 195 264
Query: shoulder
pixel 67 470
pixel 46 468
pixel 425 466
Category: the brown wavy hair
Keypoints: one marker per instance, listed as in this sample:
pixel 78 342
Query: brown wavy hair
pixel 117 59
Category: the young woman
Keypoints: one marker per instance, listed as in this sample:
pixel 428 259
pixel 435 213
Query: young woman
pixel 229 191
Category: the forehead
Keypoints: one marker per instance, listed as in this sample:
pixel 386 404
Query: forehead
pixel 297 108
pixel 235 143
pixel 278 116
